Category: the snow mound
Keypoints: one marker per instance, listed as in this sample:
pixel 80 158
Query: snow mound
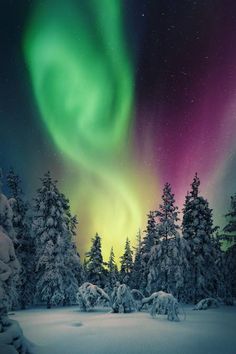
pixel 12 339
pixel 207 303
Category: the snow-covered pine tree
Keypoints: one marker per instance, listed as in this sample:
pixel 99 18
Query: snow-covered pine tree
pixel 230 238
pixel 230 228
pixel 149 240
pixel 6 213
pixel 24 246
pixel 73 277
pixel 138 246
pixel 198 231
pixel 230 261
pixel 221 278
pixel 126 263
pixel 94 263
pixel 137 266
pixel 151 236
pixel 55 279
pixel 112 276
pixel 9 263
pixel 11 336
pixel 167 260
pixel 85 269
pixel 77 267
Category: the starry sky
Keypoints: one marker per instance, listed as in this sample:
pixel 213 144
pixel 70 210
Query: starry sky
pixel 116 98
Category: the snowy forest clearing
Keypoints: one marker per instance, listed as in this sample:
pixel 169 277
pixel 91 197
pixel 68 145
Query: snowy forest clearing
pixel 68 331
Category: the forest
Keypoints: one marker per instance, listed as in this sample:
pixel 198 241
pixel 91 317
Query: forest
pixel 173 262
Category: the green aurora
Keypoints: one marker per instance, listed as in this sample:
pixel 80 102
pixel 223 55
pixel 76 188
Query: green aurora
pixel 82 78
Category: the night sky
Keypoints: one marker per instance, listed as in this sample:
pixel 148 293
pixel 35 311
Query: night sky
pixel 116 98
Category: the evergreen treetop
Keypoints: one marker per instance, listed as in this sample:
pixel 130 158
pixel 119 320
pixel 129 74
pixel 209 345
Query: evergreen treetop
pixel 126 263
pixel 167 215
pixel 230 228
pixel 95 264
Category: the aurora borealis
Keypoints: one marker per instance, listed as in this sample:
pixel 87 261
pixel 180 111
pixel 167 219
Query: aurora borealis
pixel 116 98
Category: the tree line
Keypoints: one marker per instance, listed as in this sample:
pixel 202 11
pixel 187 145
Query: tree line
pixel 186 260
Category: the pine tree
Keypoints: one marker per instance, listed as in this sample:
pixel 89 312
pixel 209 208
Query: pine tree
pixel 85 269
pixel 126 263
pixel 6 213
pixel 137 266
pixel 221 279
pixel 151 236
pixel 9 265
pixel 230 228
pixel 112 276
pixel 230 261
pixel 198 231
pixel 149 240
pixel 23 242
pixel 56 282
pixel 230 238
pixel 94 264
pixel 166 259
pixel 77 266
pixel 73 271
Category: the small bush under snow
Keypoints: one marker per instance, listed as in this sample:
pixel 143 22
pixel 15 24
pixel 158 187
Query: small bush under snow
pixel 122 299
pixel 207 303
pixel 90 295
pixel 163 304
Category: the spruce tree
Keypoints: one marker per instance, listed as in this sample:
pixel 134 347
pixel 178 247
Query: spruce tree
pixel 137 266
pixel 112 276
pixel 56 282
pixel 73 270
pixel 94 263
pixel 126 264
pixel 23 241
pixel 230 228
pixel 85 269
pixel 149 240
pixel 8 261
pixel 230 261
pixel 166 259
pixel 230 238
pixel 6 213
pixel 151 236
pixel 198 232
pixel 221 278
pixel 77 266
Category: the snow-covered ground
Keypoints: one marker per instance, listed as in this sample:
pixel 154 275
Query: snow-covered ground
pixel 67 331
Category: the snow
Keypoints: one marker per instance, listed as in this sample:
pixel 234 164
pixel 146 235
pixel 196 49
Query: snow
pixel 7 252
pixel 205 304
pixel 12 338
pixel 66 330
pixel 5 207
